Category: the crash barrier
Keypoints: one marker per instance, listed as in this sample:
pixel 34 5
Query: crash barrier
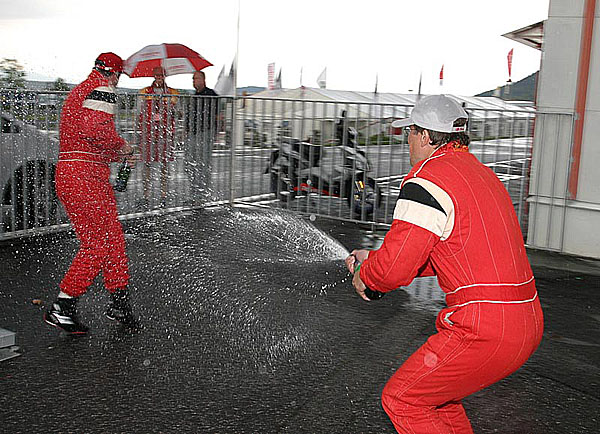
pixel 328 158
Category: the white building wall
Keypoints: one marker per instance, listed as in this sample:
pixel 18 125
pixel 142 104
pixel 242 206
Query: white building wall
pixel 570 226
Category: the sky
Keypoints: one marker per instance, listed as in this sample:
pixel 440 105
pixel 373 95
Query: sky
pixel 393 42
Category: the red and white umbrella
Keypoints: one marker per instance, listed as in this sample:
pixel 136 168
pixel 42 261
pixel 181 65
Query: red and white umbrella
pixel 174 58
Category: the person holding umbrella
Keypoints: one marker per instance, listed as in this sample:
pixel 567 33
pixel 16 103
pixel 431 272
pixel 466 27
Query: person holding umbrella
pixel 454 219
pixel 88 143
pixel 201 129
pixel 160 61
pixel 158 112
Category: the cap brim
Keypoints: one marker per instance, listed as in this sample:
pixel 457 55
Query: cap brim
pixel 401 123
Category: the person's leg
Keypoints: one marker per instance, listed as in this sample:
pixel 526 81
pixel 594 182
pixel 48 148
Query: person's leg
pixel 146 180
pixel 194 167
pixel 164 181
pixel 81 195
pixel 453 415
pixel 477 345
pixel 115 268
pixel 208 149
pixel 429 379
pixel 191 163
pixel 146 157
pixel 83 202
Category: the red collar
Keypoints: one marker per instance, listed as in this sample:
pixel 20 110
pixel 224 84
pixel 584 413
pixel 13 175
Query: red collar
pixel 454 146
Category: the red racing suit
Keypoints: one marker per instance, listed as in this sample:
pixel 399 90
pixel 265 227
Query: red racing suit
pixel 454 219
pixel 88 142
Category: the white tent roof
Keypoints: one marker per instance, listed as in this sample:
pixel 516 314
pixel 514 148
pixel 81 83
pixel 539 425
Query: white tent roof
pixel 393 105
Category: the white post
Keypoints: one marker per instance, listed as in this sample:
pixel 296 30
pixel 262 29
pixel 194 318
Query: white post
pixel 234 114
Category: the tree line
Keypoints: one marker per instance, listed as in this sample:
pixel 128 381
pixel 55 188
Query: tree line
pixel 12 76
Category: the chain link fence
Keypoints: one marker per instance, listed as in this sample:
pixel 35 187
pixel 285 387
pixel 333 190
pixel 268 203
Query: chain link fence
pixel 328 158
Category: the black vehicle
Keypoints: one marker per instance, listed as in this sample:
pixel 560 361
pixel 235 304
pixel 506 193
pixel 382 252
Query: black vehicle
pixel 340 170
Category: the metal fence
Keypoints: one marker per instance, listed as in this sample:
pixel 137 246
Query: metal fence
pixel 331 158
pixel 310 131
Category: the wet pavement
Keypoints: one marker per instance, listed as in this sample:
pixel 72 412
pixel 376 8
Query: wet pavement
pixel 251 326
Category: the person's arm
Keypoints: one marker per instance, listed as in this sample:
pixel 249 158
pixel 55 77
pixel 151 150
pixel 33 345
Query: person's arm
pixel 100 132
pixel 423 216
pixel 96 119
pixel 96 122
pixel 405 250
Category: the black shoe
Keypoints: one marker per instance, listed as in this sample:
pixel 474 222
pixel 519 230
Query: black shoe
pixel 63 315
pixel 120 309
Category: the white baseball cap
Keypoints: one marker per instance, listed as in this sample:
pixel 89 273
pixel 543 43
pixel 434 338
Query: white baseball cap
pixel 435 113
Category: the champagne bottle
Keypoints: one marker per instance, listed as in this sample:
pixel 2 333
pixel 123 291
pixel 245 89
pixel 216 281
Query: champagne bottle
pixel 372 294
pixel 122 176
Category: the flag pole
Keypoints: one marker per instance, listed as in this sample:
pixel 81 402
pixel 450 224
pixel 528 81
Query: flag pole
pixel 376 82
pixel 301 84
pixel 234 111
pixel 237 51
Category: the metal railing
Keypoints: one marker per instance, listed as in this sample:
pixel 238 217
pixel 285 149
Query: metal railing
pixel 327 158
pixel 306 129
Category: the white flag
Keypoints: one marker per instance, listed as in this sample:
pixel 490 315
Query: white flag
pixel 277 84
pixel 322 79
pixel 224 84
pixel 220 77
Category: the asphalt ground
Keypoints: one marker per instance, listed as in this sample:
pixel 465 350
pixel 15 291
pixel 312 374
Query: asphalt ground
pixel 250 325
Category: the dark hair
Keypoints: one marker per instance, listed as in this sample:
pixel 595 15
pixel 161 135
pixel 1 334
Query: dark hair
pixel 438 138
pixel 100 68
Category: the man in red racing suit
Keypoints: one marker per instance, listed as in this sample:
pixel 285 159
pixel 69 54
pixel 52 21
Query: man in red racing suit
pixel 88 142
pixel 455 220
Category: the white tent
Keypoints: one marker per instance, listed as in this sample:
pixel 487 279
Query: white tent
pixel 308 109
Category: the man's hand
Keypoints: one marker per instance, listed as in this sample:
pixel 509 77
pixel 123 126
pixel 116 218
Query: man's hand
pixel 359 287
pixel 356 257
pixel 131 153
pixel 127 149
pixel 352 261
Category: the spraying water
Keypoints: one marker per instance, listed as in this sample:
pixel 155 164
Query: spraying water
pixel 233 266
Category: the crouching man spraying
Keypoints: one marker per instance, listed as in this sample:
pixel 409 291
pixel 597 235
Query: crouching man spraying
pixel 455 220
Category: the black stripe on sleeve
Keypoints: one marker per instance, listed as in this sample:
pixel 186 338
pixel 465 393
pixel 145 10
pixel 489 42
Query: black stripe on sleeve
pixel 98 95
pixel 416 193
